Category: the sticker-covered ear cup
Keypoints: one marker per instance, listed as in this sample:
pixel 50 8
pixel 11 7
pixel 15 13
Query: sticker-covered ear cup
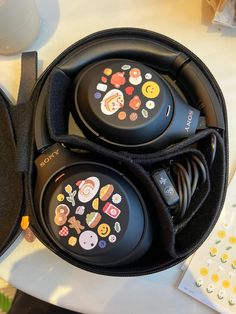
pixel 94 213
pixel 129 105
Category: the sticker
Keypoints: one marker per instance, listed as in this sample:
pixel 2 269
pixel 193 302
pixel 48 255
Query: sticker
pixel 62 209
pixel 29 235
pixel 88 188
pixel 126 67
pixel 148 76
pixel 24 222
pixel 232 240
pixel 102 87
pixel 117 227
pixel 88 240
pixel 144 113
pixel 213 251
pixel 232 300
pixel 215 277
pixel 221 234
pixel 118 79
pixel 104 79
pixel 107 71
pixel 150 89
pixel 75 224
pixel 60 197
pixel 199 282
pixel 102 244
pixel 60 219
pixel 64 231
pixel 106 192
pixel 129 90
pixel 221 294
pixel 224 258
pixel 226 283
pixel 135 77
pixel 150 104
pixel 204 271
pixel 92 219
pixel 112 238
pixel 72 241
pixel 116 198
pixel 71 197
pixel 80 210
pixel 122 115
pixel 112 102
pixel 95 203
pixel 111 210
pixel 135 103
pixel 97 95
pixel 210 288
pixel 104 230
pixel 233 264
pixel 133 116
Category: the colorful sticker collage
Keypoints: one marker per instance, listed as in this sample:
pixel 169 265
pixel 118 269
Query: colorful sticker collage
pixel 113 100
pixel 94 232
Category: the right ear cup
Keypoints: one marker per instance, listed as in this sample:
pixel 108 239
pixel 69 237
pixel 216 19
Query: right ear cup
pixel 91 211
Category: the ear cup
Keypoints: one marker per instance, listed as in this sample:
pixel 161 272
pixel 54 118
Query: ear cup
pixel 94 213
pixel 129 105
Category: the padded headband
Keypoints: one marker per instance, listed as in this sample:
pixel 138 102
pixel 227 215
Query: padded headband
pixel 143 46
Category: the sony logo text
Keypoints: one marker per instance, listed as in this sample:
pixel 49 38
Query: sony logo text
pixel 49 158
pixel 189 120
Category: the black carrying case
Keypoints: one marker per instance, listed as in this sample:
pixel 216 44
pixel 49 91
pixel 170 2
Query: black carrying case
pixel 172 243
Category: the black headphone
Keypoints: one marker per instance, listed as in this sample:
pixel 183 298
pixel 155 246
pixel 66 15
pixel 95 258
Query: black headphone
pixel 129 90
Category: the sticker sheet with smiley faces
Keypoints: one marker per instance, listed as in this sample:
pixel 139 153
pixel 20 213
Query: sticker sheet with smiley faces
pixel 129 93
pixel 211 275
pixel 88 214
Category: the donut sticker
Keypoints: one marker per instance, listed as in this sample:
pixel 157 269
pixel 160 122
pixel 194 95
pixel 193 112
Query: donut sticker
pixel 135 77
pixel 106 191
pixel 135 103
pixel 112 102
pixel 111 210
pixel 104 230
pixel 93 219
pixel 88 188
pixel 118 79
pixel 88 240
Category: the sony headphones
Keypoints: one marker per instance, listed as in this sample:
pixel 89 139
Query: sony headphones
pixel 128 90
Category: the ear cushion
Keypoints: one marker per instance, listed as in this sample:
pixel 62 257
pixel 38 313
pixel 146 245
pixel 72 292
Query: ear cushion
pixel 11 181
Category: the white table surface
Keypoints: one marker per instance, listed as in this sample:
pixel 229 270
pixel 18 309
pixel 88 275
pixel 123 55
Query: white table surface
pixel 32 267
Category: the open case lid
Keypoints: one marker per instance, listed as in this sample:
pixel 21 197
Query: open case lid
pixel 14 125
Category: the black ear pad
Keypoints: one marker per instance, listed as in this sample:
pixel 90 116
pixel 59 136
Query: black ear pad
pixel 129 105
pixel 91 211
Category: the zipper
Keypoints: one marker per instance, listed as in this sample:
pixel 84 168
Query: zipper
pixel 177 46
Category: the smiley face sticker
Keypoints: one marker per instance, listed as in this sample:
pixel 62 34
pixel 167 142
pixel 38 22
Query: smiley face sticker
pixel 104 230
pixel 150 89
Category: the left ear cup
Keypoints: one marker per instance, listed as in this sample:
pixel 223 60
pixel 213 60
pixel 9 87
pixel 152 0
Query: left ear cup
pixel 91 211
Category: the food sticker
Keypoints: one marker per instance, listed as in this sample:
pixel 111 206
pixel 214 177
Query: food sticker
pixel 117 227
pixel 135 103
pixel 95 203
pixel 102 87
pixel 88 188
pixel 112 102
pixel 133 116
pixel 116 198
pixel 144 113
pixel 125 67
pixel 135 77
pixel 118 79
pixel 111 210
pixel 72 241
pixel 88 240
pixel 122 115
pixel 75 224
pixel 64 231
pixel 104 79
pixel 92 219
pixel 129 90
pixel 80 210
pixel 104 230
pixel 107 71
pixel 150 89
pixel 62 209
pixel 106 191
